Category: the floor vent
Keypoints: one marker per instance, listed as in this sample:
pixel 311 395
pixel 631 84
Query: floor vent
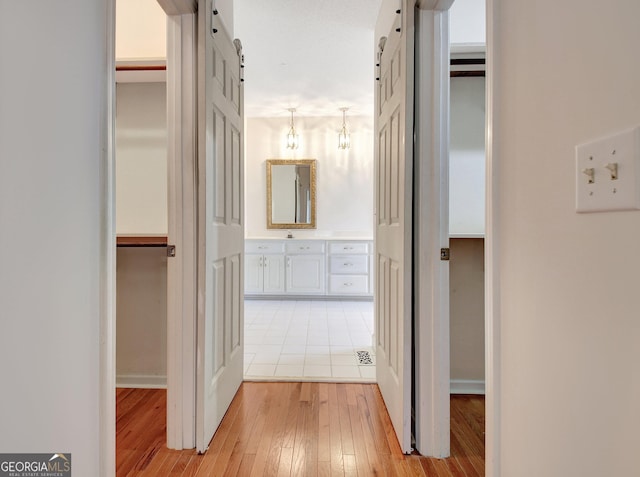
pixel 364 357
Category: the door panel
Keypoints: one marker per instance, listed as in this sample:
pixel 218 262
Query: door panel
pixel 220 227
pixel 394 159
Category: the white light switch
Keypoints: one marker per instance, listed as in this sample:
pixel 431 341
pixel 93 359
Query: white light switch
pixel 608 173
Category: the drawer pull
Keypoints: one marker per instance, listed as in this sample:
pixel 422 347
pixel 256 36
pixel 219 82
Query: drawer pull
pixel 348 284
pixel 260 247
pixel 348 248
pixel 348 264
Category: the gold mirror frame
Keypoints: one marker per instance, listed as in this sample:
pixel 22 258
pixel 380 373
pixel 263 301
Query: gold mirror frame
pixel 286 162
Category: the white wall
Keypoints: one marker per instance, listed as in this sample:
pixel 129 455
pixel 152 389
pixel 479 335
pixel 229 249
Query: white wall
pixel 53 92
pixel 467 157
pixel 141 340
pixel 567 72
pixel 466 288
pixel 141 158
pixel 467 22
pixel 141 30
pixel 344 178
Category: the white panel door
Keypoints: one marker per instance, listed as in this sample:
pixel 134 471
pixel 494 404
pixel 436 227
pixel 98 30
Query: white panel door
pixel 220 225
pixel 393 164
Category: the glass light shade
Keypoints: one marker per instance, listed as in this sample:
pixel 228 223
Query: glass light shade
pixel 292 139
pixel 344 139
pixel 292 136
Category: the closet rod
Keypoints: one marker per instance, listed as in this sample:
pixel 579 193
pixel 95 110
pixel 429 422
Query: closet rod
pixel 141 68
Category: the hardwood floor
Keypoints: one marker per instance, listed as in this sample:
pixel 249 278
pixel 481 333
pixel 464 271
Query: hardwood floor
pixel 316 429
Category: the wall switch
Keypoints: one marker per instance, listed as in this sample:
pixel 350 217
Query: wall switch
pixel 608 173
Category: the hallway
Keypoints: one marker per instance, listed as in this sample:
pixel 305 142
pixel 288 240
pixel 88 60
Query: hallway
pixel 294 429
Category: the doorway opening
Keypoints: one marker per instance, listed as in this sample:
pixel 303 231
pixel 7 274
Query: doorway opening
pixel 307 330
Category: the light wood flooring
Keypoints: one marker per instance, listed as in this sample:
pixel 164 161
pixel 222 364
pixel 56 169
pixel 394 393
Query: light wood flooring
pixel 297 429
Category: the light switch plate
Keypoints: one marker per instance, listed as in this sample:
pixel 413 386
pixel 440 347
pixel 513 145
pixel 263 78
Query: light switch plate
pixel 598 162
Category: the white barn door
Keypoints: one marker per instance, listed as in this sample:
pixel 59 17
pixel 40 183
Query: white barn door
pixel 393 229
pixel 220 224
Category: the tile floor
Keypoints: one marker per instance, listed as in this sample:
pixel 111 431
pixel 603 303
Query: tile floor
pixel 308 340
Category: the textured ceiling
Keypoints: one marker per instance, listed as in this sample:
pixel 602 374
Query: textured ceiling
pixel 313 55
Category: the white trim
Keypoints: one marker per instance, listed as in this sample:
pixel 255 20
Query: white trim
pixel 492 263
pixel 462 236
pixel 107 398
pixel 467 386
pixel 142 381
pixel 431 230
pixel 474 49
pixel 181 269
pixel 435 5
pixel 179 7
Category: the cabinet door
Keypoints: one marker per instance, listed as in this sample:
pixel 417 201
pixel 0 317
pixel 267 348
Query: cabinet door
pixel 253 279
pixel 305 274
pixel 273 269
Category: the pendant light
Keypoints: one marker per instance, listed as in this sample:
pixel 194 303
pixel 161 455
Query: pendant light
pixel 292 136
pixel 344 139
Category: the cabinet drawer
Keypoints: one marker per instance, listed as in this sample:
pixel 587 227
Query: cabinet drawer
pixel 348 247
pixel 349 284
pixel 352 264
pixel 263 247
pixel 304 247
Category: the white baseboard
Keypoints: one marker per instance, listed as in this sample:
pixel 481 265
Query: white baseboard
pixel 145 381
pixel 467 386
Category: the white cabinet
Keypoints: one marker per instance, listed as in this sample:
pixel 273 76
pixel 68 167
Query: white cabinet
pixel 350 268
pixel 305 267
pixel 308 267
pixel 264 268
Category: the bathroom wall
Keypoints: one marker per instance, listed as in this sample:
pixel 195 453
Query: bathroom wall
pixel 344 177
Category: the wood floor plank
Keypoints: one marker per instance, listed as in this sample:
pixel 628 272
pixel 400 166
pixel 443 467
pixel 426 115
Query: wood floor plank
pixel 291 429
pixel 284 464
pixel 345 421
pixel 192 467
pixel 335 436
pixel 229 460
pixel 267 458
pixel 362 458
pixel 324 431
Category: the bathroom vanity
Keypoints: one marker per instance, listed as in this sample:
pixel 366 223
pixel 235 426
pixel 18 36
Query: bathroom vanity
pixel 311 267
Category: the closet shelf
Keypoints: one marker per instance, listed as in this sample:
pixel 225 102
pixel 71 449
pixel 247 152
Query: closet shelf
pixel 141 240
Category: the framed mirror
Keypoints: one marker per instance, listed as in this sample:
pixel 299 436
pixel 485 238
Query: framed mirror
pixel 291 194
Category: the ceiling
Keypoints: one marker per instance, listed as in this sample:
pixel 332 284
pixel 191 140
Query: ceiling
pixel 313 55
